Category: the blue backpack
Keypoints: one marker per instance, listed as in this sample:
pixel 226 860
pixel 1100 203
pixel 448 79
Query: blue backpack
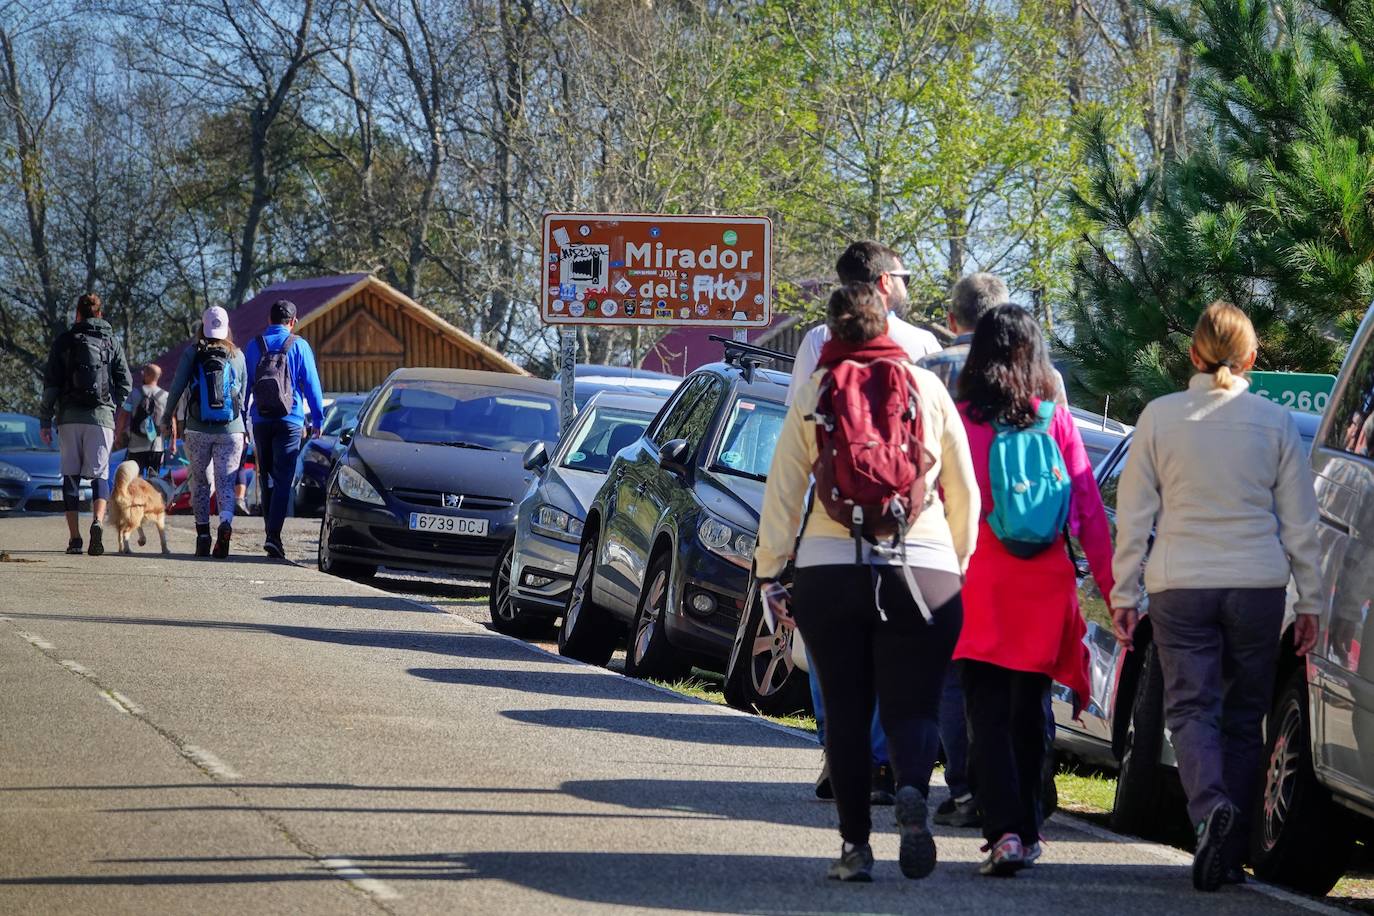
pixel 217 384
pixel 1030 486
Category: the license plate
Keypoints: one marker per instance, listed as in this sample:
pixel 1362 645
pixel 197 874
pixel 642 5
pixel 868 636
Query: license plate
pixel 448 524
pixel 54 496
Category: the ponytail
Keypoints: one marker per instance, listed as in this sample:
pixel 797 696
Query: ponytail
pixel 1222 340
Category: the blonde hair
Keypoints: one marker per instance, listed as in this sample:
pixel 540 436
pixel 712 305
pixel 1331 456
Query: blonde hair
pixel 1222 339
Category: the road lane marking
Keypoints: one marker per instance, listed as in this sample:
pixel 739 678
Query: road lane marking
pixel 77 668
pixel 113 702
pixel 355 876
pixel 208 761
pixel 36 641
pixel 133 708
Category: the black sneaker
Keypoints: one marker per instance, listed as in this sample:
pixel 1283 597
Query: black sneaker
pixel 917 856
pixel 824 790
pixel 75 547
pixel 953 813
pixel 222 538
pixel 97 545
pixel 854 864
pixel 883 790
pixel 203 540
pixel 1209 859
pixel 272 547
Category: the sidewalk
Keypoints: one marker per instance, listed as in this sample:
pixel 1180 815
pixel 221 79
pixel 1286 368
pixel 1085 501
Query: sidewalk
pixel 253 736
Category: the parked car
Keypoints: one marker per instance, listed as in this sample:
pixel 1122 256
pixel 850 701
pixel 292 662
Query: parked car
pixel 319 454
pixel 430 477
pixel 529 588
pixel 1101 434
pixel 30 472
pixel 592 379
pixel 669 537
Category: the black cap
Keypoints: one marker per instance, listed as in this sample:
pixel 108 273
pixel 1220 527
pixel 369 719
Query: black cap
pixel 283 310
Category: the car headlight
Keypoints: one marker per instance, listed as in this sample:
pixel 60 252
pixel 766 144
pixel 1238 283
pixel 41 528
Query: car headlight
pixel 354 485
pixel 727 542
pixel 553 522
pixel 13 472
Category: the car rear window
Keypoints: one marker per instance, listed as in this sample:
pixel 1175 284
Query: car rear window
pixel 481 416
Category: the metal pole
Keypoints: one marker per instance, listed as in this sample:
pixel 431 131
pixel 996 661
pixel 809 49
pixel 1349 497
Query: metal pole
pixel 567 372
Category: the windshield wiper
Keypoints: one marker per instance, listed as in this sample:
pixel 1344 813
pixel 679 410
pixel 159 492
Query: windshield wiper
pixel 461 444
pixel 725 468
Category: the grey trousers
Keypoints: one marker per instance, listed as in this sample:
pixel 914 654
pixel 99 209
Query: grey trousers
pixel 1218 649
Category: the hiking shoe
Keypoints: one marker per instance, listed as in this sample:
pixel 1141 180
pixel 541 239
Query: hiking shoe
pixel 854 864
pixel 952 813
pixel 824 790
pixel 917 856
pixel 97 544
pixel 882 790
pixel 1209 859
pixel 203 540
pixel 1005 857
pixel 222 537
pixel 75 547
pixel 272 547
pixel 241 508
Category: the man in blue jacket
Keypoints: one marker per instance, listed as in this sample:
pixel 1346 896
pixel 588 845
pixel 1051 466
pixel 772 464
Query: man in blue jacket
pixel 282 381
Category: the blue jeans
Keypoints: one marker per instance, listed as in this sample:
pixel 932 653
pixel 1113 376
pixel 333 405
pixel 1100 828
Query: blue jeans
pixel 878 737
pixel 277 445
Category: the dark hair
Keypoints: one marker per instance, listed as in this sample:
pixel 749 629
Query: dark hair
pixel 865 262
pixel 855 313
pixel 89 306
pixel 1008 368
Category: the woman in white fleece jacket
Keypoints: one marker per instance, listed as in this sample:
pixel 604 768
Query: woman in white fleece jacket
pixel 1219 476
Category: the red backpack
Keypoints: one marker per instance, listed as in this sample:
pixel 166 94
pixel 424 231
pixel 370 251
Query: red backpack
pixel 871 460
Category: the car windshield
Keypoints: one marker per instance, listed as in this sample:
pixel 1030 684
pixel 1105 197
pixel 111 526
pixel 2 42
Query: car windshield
pixel 340 416
pixel 750 436
pixel 601 435
pixel 483 417
pixel 18 432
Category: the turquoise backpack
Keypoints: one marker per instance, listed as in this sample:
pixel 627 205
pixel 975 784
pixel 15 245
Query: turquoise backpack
pixel 1030 486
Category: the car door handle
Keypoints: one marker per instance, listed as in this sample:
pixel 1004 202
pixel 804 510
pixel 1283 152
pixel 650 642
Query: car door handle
pixel 1335 523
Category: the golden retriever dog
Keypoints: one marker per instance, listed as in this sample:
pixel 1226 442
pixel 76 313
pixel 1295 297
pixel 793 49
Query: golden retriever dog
pixel 134 501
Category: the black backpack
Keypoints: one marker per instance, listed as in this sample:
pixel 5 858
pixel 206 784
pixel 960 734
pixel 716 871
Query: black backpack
pixel 88 359
pixel 273 392
pixel 146 411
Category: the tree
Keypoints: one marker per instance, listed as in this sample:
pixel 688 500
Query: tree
pixel 1269 210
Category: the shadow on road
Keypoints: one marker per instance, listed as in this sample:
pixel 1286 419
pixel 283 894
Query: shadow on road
pixel 691 728
pixel 564 681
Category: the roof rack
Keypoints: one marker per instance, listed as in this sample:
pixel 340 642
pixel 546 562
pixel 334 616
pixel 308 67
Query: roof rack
pixel 750 356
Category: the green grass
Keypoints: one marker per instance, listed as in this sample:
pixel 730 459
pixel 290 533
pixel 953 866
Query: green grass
pixel 708 686
pixel 1085 791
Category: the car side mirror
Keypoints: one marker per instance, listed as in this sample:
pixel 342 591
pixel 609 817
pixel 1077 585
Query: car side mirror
pixel 673 457
pixel 346 436
pixel 536 457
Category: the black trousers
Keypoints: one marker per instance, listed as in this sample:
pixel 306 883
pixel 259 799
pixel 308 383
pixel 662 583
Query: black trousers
pixel 1006 716
pixel 858 656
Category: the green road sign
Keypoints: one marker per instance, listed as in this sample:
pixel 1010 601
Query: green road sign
pixel 1307 391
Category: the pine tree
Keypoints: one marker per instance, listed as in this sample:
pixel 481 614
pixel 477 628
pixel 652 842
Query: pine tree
pixel 1273 210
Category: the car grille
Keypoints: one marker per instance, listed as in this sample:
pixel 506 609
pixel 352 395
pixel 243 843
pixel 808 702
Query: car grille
pixel 436 498
pixel 435 542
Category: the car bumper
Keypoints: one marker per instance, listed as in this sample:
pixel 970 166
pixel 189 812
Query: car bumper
pixel 40 494
pixel 537 558
pixel 375 535
pixel 710 634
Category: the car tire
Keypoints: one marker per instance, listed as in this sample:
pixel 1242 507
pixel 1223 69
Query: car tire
pixel 648 654
pixel 358 572
pixel 506 616
pixel 1300 837
pixel 1140 783
pixel 587 633
pixel 760 676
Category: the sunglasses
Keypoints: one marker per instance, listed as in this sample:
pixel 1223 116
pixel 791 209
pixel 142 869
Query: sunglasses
pixel 905 275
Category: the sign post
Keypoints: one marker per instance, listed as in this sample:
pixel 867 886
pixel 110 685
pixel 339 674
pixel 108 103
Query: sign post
pixel 567 378
pixel 652 269
pixel 1305 391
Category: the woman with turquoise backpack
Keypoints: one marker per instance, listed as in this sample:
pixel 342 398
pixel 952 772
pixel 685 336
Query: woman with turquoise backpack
pixel 212 370
pixel 1022 624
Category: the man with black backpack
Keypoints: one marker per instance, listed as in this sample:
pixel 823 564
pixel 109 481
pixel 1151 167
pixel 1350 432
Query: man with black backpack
pixel 85 379
pixel 282 381
pixel 142 418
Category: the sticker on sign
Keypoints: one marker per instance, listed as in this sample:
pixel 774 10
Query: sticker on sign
pixel 720 267
pixel 1305 391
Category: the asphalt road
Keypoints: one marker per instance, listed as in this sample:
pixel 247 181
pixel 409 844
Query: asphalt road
pixel 181 735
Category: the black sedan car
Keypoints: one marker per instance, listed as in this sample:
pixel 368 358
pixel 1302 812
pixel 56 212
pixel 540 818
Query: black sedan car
pixel 669 538
pixel 319 454
pixel 431 475
pixel 530 586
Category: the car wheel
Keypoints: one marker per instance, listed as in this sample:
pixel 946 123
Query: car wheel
pixel 761 676
pixel 1300 837
pixel 326 563
pixel 506 617
pixel 587 633
pixel 648 654
pixel 1140 781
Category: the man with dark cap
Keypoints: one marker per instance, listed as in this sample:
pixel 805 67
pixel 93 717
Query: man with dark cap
pixel 282 381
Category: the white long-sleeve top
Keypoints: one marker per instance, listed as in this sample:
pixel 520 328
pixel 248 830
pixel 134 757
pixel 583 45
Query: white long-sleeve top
pixel 1222 478
pixel 917 342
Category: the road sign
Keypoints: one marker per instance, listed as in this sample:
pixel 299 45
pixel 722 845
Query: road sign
pixel 1306 391
pixel 640 269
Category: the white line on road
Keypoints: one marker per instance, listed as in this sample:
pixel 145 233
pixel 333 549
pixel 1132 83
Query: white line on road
pixel 208 762
pixel 113 702
pixel 36 641
pixel 355 876
pixel 76 668
pixel 133 708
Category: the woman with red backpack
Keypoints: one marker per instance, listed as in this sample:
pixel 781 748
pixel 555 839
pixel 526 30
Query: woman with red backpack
pixel 879 562
pixel 1022 624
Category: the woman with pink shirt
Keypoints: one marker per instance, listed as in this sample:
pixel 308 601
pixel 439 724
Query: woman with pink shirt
pixel 1022 624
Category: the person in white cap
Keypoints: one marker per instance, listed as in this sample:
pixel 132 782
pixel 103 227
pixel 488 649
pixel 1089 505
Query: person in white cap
pixel 212 372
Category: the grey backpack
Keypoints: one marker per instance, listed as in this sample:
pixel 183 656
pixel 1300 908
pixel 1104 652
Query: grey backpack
pixel 273 392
